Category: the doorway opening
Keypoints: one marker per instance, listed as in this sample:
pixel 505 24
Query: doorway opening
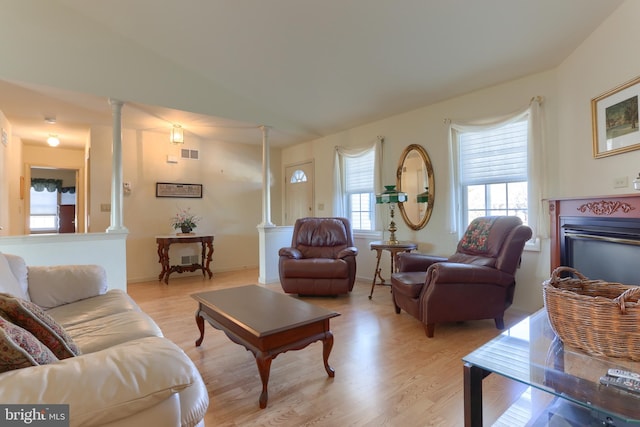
pixel 52 200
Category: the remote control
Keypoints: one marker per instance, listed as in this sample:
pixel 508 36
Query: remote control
pixel 626 384
pixel 623 374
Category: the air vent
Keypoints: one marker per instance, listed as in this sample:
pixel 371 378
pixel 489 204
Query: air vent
pixel 189 260
pixel 186 153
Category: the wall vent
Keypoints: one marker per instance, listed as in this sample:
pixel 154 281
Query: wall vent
pixel 186 153
pixel 190 259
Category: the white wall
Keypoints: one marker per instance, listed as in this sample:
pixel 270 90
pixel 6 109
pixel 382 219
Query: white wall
pixel 605 60
pixel 231 175
pixel 102 249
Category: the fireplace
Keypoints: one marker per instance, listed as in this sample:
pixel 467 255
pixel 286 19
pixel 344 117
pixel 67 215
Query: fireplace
pixel 599 237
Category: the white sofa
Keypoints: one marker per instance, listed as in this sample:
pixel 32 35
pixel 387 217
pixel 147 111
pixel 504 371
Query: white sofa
pixel 127 373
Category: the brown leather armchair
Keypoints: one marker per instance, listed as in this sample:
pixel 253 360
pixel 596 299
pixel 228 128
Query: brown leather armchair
pixel 321 259
pixel 477 282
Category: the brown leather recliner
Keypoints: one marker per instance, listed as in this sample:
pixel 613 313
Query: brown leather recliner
pixel 477 282
pixel 321 259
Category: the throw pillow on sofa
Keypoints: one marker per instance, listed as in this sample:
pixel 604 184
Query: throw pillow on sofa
pixel 20 349
pixel 32 318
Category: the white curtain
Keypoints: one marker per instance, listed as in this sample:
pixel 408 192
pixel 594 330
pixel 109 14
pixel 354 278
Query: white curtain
pixel 538 221
pixel 339 202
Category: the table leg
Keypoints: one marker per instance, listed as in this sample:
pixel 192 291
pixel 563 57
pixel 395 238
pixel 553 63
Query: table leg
pixel 263 361
pixel 376 273
pixel 200 323
pixel 327 345
pixel 208 259
pixel 163 262
pixel 473 395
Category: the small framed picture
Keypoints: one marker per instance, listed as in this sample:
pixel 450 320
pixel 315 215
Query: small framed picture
pixel 5 137
pixel 614 116
pixel 169 189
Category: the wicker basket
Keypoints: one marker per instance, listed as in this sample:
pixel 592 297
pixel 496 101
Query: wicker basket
pixel 601 318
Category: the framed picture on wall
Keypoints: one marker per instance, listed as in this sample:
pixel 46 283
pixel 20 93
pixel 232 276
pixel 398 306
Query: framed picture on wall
pixel 5 138
pixel 170 189
pixel 614 116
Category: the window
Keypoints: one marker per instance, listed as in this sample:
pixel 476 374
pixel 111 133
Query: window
pixel 298 176
pixel 359 190
pixel 44 211
pixel 493 178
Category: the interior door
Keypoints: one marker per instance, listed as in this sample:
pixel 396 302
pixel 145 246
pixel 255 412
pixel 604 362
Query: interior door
pixel 298 192
pixel 67 219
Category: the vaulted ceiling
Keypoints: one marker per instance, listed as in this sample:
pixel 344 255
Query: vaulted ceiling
pixel 307 68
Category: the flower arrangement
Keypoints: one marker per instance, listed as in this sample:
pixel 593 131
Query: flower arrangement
pixel 184 220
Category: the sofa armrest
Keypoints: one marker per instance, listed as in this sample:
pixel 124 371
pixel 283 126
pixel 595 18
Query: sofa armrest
pixel 412 261
pixel 292 253
pixel 449 272
pixel 350 251
pixel 51 286
pixel 123 380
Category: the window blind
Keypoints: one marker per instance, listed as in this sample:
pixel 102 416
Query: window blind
pixel 44 202
pixel 359 173
pixel 496 155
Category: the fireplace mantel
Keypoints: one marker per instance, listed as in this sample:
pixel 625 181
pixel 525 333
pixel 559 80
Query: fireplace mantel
pixel 614 206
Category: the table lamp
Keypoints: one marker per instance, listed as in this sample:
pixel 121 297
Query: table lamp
pixel 391 196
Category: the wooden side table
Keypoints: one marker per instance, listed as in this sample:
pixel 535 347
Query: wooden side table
pixel 393 249
pixel 164 242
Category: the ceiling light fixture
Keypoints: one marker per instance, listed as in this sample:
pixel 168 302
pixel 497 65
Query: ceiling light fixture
pixel 177 134
pixel 50 120
pixel 53 140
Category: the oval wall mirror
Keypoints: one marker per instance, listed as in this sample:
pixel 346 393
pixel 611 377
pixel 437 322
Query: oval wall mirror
pixel 415 177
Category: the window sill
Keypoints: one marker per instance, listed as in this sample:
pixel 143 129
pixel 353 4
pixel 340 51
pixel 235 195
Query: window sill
pixel 532 245
pixel 366 234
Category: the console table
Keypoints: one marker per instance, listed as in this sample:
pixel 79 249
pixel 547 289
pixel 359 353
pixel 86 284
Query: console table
pixel 393 249
pixel 564 383
pixel 164 242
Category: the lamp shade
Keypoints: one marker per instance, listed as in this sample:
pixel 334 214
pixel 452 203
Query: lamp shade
pixel 391 195
pixel 177 134
pixel 423 197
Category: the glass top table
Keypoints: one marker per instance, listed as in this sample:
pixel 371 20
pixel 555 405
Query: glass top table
pixel 530 353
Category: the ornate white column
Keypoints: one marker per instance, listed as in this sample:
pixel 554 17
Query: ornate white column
pixel 266 180
pixel 116 169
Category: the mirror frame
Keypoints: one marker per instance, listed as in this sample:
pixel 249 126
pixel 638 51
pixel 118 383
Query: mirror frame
pixel 431 182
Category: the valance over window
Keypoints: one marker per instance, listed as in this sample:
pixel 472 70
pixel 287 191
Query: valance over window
pixel 51 185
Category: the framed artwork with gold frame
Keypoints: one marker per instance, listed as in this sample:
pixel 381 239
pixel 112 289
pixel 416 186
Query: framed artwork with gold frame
pixel 614 120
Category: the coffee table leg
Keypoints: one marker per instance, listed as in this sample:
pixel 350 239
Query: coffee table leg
pixel 264 367
pixel 200 323
pixel 327 345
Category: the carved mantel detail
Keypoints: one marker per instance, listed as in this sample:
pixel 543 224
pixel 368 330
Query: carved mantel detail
pixel 605 207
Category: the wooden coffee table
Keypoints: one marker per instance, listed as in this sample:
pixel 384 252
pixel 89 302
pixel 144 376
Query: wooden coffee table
pixel 266 323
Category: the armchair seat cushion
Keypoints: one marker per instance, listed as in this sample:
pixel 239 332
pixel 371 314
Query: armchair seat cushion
pixel 409 283
pixel 319 268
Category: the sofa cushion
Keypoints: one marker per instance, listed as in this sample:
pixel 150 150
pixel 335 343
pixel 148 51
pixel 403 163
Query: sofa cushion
pixel 114 301
pixel 98 334
pixel 29 316
pixel 51 286
pixel 19 270
pixel 8 282
pixel 20 349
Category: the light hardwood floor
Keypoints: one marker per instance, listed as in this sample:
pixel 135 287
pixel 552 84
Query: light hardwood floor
pixel 387 372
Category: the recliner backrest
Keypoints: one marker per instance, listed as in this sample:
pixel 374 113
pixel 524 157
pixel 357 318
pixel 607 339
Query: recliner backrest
pixel 321 237
pixel 493 241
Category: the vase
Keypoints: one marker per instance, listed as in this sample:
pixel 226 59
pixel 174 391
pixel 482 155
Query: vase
pixel 185 229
